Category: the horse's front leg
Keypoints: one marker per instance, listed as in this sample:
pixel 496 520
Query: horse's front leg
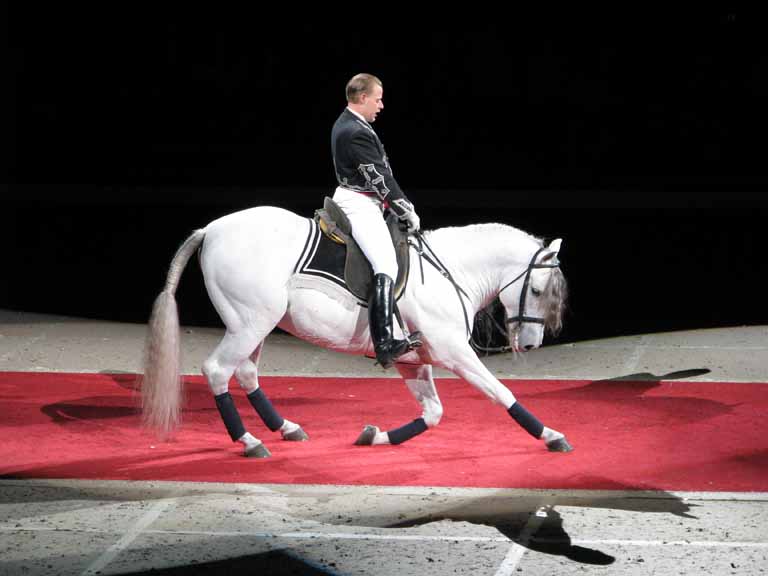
pixel 419 380
pixel 468 366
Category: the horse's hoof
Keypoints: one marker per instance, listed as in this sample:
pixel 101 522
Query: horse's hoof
pixel 559 445
pixel 297 435
pixel 258 451
pixel 367 436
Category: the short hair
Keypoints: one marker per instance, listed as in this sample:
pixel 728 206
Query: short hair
pixel 361 84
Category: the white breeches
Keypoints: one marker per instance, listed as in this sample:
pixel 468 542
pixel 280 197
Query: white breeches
pixel 369 230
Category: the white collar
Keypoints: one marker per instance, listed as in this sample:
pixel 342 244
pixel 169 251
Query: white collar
pixel 358 115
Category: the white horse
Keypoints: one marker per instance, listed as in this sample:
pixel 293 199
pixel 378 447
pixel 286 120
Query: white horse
pixel 249 260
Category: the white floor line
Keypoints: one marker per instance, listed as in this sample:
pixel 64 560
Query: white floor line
pixel 670 347
pixel 511 560
pixel 517 550
pixel 634 359
pixel 146 519
pixel 671 543
pixel 502 375
pixel 299 535
pixel 198 488
pixel 591 378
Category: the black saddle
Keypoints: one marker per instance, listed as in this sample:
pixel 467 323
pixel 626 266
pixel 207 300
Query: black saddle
pixel 358 274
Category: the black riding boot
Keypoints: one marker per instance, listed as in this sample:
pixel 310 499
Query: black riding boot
pixel 380 309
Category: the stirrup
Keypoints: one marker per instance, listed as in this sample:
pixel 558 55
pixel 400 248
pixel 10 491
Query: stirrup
pixel 411 342
pixel 414 340
pixel 389 357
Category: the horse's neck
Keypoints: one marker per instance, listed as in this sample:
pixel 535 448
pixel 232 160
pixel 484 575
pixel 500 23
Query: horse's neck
pixel 481 256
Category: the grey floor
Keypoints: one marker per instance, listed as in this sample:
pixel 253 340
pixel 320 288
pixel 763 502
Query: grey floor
pixel 110 527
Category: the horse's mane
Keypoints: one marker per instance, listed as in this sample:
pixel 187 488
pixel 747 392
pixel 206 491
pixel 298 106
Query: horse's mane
pixel 485 229
pixel 459 238
pixel 556 297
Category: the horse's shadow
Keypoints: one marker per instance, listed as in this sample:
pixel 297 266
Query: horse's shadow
pixel 619 388
pixel 96 408
pixel 648 377
pixel 533 521
pixel 540 529
pixel 126 380
pixel 104 407
pixel 644 394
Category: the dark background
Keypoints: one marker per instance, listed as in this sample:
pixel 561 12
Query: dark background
pixel 640 141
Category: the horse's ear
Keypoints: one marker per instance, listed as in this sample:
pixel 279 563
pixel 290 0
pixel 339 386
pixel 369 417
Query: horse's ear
pixel 550 256
pixel 554 246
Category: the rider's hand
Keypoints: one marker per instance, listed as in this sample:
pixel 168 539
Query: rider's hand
pixel 406 213
pixel 414 223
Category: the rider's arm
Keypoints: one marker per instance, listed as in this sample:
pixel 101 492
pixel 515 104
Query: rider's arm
pixel 373 165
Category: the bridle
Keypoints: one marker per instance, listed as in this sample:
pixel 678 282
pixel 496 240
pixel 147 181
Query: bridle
pixel 521 317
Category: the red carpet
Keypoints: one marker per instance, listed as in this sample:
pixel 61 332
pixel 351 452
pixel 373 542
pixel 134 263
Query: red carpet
pixel 627 435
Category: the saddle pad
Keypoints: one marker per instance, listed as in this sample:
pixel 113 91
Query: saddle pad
pixel 324 258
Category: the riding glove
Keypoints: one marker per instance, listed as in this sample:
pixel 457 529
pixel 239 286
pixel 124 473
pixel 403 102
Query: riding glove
pixel 406 212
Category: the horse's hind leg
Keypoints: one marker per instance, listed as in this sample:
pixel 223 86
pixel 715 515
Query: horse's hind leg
pixel 419 380
pixel 247 375
pixel 218 369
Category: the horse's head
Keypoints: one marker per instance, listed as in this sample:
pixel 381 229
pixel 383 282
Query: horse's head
pixel 534 299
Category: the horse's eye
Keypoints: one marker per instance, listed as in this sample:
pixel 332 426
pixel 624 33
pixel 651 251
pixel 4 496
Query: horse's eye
pixel 536 291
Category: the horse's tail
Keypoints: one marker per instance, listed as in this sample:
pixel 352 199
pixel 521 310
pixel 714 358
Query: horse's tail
pixel 161 385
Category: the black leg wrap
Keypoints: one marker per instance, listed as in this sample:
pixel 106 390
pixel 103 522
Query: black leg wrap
pixel 527 420
pixel 400 435
pixel 229 414
pixel 266 410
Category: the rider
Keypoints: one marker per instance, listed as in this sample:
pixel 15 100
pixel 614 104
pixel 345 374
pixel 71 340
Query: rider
pixel 367 188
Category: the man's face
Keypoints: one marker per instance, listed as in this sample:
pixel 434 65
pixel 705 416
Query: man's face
pixel 372 103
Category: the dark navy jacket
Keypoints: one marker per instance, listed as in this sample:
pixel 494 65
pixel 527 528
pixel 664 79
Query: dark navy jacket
pixel 360 160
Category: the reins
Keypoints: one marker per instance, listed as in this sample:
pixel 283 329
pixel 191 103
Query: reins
pixel 425 252
pixel 440 267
